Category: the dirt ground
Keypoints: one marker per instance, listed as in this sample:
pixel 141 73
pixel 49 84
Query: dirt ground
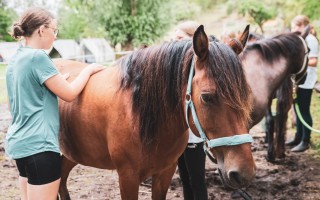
pixel 295 177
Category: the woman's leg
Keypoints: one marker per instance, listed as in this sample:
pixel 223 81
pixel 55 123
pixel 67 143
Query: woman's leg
pixel 47 191
pixel 304 105
pixel 43 173
pixel 185 179
pixel 23 187
pixel 195 159
pixel 304 100
pixel 23 180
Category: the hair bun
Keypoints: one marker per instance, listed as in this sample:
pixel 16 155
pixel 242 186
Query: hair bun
pixel 17 31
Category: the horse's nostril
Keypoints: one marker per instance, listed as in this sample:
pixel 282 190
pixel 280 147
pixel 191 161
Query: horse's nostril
pixel 235 177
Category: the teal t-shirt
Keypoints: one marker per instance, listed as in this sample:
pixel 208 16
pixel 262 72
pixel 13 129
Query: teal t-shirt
pixel 34 108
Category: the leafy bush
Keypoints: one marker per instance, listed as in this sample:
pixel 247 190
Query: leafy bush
pixel 186 10
pixel 133 22
pixel 141 23
pixel 257 11
pixel 7 16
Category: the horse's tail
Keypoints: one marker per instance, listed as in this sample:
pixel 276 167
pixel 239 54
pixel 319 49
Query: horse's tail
pixel 284 95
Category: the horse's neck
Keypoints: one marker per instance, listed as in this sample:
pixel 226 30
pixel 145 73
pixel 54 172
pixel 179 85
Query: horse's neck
pixel 263 79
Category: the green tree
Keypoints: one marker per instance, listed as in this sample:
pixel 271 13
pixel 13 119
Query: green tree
pixel 288 9
pixel 7 16
pixel 257 11
pixel 312 9
pixel 78 19
pixel 208 4
pixel 128 22
pixel 73 25
pixel 139 21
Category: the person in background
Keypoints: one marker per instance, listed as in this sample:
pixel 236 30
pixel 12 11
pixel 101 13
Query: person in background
pixel 185 30
pixel 191 163
pixel 33 85
pixel 301 141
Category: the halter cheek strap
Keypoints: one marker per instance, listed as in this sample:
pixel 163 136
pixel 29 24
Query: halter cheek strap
pixel 223 141
pixel 304 65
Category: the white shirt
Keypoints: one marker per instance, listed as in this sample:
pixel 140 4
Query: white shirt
pixel 311 79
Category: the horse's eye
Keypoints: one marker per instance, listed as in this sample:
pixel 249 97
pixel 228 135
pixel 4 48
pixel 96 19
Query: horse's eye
pixel 209 98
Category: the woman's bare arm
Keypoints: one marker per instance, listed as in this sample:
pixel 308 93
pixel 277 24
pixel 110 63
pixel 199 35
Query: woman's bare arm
pixel 313 62
pixel 69 91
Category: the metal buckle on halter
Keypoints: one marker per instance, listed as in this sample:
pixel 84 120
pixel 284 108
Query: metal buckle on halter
pixel 192 145
pixel 205 145
pixel 294 93
pixel 208 153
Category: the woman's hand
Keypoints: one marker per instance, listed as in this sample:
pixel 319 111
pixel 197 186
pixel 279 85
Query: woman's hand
pixel 94 68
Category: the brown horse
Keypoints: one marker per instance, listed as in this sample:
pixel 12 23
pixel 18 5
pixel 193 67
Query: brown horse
pixel 269 65
pixel 132 118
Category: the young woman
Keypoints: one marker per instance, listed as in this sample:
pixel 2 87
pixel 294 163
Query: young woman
pixel 192 162
pixel 33 85
pixel 301 141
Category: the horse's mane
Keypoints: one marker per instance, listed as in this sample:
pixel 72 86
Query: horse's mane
pixel 157 77
pixel 272 49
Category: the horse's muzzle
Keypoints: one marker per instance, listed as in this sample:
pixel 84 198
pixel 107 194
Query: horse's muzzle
pixel 236 179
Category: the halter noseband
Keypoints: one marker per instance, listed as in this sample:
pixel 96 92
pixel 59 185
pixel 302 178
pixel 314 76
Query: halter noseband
pixel 304 60
pixel 223 141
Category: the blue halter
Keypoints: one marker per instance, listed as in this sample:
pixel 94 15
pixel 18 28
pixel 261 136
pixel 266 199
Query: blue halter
pixel 224 141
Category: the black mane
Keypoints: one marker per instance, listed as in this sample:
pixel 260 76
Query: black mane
pixel 272 49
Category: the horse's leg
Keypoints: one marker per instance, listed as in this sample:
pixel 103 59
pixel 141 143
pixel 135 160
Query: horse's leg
pixel 129 183
pixel 66 167
pixel 280 134
pixel 269 134
pixel 161 182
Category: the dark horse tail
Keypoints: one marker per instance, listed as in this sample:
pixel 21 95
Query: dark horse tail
pixel 284 95
pixel 284 102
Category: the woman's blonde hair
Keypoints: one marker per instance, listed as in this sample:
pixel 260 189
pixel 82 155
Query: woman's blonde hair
pixel 29 21
pixel 302 20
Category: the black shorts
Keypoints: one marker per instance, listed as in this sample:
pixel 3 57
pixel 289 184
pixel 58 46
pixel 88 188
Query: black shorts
pixel 41 168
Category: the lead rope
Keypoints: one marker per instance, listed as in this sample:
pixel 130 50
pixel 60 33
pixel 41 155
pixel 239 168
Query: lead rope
pixel 244 194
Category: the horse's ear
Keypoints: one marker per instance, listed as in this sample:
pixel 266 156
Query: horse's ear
pixel 200 43
pixel 238 44
pixel 306 31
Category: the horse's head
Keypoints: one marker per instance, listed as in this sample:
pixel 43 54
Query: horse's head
pixel 220 103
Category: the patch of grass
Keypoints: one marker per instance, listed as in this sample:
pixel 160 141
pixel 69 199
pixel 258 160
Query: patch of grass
pixel 315 113
pixel 3 87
